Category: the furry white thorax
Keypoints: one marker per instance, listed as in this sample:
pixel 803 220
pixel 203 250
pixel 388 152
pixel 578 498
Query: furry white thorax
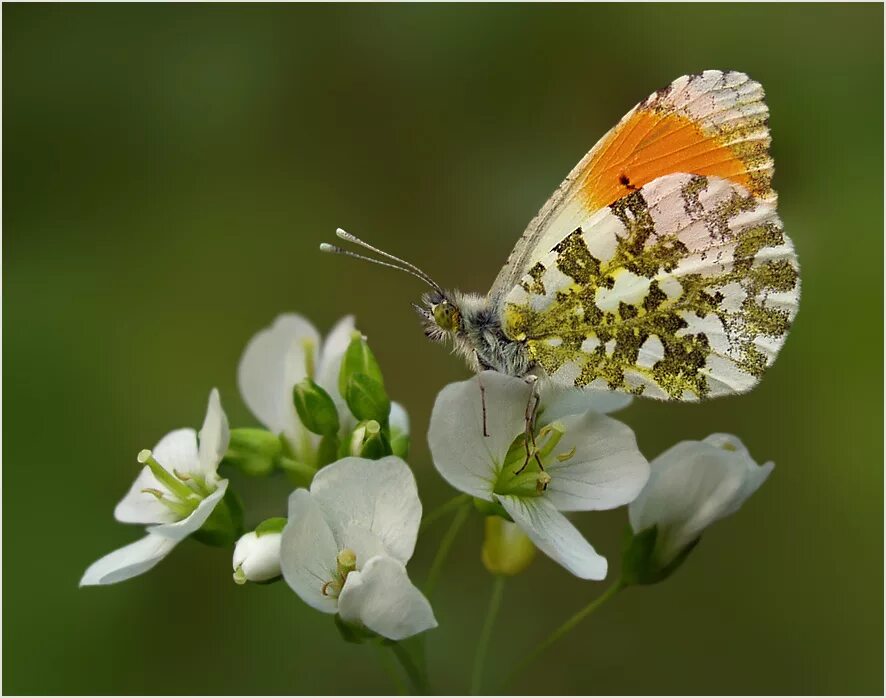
pixel 478 337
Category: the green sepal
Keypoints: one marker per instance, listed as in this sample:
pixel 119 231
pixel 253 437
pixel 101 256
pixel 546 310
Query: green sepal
pixel 367 399
pixel 225 524
pixel 315 408
pixel 299 474
pixel 375 445
pixel 354 634
pixel 638 562
pixel 272 525
pixel 491 509
pixel 253 451
pixel 358 358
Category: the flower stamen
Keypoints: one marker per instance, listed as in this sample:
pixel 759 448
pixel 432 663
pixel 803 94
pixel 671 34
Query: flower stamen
pixel 172 483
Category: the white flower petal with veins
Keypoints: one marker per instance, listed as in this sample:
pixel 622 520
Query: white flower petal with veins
pixel 693 484
pixel 467 459
pixel 129 561
pixel 381 597
pixel 272 363
pixel 555 536
pixel 593 464
pixel 369 512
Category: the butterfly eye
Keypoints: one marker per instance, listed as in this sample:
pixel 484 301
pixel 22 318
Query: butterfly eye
pixel 447 316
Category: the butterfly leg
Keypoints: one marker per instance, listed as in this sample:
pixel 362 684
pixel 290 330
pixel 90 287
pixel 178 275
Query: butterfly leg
pixel 483 404
pixel 530 414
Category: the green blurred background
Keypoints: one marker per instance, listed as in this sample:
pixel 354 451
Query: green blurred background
pixel 169 171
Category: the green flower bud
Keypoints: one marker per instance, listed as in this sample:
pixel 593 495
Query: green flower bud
pixel 367 399
pixel 358 358
pixel 375 445
pixel 253 451
pixel 315 408
pixel 639 563
pixel 506 549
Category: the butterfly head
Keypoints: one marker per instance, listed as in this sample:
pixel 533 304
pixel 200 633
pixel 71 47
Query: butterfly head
pixel 440 316
pixel 439 311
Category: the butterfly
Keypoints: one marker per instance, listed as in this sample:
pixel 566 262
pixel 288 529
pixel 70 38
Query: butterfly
pixel 659 267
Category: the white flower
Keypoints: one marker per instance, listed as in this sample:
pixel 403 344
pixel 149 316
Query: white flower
pixel 177 491
pixel 590 461
pixel 257 557
pixel 284 354
pixel 348 540
pixel 692 485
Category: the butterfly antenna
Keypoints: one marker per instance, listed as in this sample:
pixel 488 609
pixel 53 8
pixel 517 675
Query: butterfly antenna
pixel 334 249
pixel 401 264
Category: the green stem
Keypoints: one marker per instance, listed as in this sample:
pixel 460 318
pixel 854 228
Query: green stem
pixel 417 676
pixel 445 546
pixel 391 670
pixel 442 510
pixel 565 628
pixel 498 586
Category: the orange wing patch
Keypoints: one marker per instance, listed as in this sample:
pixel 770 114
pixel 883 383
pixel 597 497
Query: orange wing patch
pixel 712 124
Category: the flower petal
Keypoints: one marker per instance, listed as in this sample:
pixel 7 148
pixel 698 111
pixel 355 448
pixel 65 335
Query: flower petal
pixel 692 485
pixel 606 470
pixel 334 348
pixel 129 561
pixel 272 363
pixel 214 437
pixel 398 418
pixel 466 458
pixel 143 507
pixel 179 530
pixel 554 535
pixel 382 598
pixel 558 401
pixel 380 496
pixel 308 551
pixel 258 556
pixel 178 451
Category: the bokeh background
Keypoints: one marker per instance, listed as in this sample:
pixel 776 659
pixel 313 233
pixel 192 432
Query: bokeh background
pixel 169 171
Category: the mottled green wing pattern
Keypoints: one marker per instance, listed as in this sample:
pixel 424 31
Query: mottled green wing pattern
pixel 682 290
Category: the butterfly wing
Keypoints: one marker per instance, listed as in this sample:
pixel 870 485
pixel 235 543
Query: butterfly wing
pixel 713 124
pixel 683 289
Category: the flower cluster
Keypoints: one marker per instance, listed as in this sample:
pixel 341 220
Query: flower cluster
pixel 526 454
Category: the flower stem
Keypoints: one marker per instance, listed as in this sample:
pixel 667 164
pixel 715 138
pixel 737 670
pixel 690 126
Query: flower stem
pixel 390 669
pixel 445 546
pixel 498 586
pixel 417 676
pixel 565 628
pixel 442 510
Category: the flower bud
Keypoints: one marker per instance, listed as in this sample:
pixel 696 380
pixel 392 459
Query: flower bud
pixel 257 553
pixel 367 399
pixel 253 451
pixel 315 408
pixel 368 440
pixel 358 358
pixel 506 549
pixel 692 485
